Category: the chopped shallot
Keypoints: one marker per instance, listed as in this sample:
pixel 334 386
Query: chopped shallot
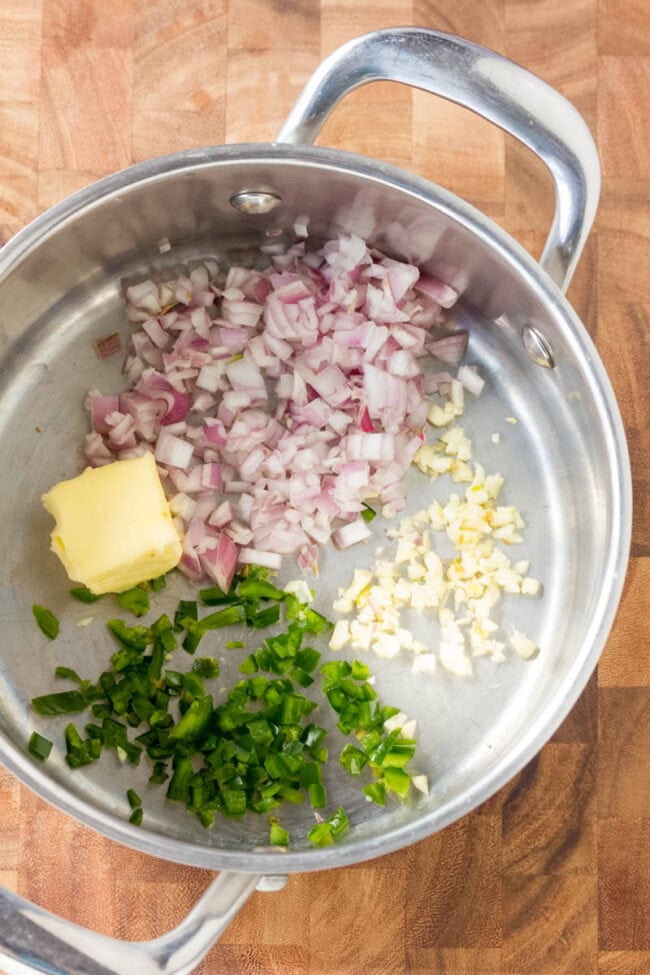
pixel 449 349
pixel 108 346
pixel 356 531
pixel 278 402
pixel 471 380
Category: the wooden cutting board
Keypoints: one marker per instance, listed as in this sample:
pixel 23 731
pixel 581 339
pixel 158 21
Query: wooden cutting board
pixel 553 874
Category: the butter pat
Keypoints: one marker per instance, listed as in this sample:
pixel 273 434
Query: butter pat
pixel 113 525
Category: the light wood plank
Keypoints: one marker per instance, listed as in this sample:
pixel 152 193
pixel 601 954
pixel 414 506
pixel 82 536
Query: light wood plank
pixel 262 87
pixel 85 109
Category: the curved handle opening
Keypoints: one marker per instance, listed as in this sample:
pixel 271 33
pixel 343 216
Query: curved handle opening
pixel 33 940
pixel 488 84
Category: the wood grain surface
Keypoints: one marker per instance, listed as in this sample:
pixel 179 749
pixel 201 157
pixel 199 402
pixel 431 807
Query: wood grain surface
pixel 553 874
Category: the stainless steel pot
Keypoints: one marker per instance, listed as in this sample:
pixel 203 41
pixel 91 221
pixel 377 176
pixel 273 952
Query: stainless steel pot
pixel 61 286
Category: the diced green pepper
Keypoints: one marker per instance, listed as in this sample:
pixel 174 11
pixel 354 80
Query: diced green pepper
pixel 46 621
pixel 133 798
pixel 194 723
pixel 279 836
pixel 353 759
pixel 65 702
pixel 39 746
pixel 377 792
pixel 397 780
pixel 83 595
pixel 135 601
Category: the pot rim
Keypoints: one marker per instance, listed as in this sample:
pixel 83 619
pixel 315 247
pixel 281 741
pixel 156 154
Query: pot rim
pixel 617 544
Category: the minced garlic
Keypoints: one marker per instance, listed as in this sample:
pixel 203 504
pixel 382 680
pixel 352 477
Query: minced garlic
pixel 463 590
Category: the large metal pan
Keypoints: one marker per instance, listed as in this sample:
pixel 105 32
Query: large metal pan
pixel 566 465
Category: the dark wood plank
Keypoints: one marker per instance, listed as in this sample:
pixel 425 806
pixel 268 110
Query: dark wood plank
pixel 624 752
pixel 338 926
pixel 549 815
pixel 622 340
pixel 626 659
pixel 453 894
pixel 624 888
pixel 549 925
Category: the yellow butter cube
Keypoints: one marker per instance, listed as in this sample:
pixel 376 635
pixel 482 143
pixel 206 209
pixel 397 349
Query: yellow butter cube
pixel 113 525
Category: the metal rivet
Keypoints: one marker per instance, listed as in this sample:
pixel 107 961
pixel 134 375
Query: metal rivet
pixel 537 347
pixel 255 201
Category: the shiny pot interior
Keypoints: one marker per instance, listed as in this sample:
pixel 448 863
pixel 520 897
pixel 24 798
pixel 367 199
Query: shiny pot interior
pixel 565 463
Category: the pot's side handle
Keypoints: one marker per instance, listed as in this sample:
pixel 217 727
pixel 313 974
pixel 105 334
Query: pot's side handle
pixel 488 84
pixel 33 940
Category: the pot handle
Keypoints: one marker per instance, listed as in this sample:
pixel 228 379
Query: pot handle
pixel 490 85
pixel 33 940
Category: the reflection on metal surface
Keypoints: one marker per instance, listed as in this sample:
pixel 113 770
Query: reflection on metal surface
pixel 272 882
pixel 255 202
pixel 537 347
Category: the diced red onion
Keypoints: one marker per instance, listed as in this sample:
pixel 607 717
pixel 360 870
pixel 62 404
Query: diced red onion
pixel 252 556
pixel 403 364
pixel 246 313
pixel 183 506
pixel 234 400
pixel 436 381
pixel 97 453
pixel 417 418
pixel 178 405
pixel 133 368
pixel 190 564
pixel 100 407
pixel 252 463
pixel 144 295
pixel 203 402
pixel 243 375
pixel 156 332
pixel 370 446
pixel 401 277
pixel 351 534
pixel 334 338
pixel 449 349
pixel 108 346
pixel 440 292
pixel 222 515
pixel 173 451
pixel 240 534
pixel 300 226
pixel 219 560
pixel 237 487
pixel 234 338
pixel 471 380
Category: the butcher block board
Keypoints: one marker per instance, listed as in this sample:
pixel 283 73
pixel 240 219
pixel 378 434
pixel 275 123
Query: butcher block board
pixel 552 875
